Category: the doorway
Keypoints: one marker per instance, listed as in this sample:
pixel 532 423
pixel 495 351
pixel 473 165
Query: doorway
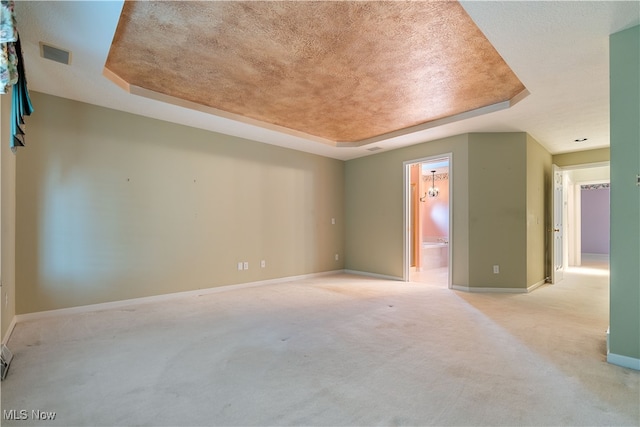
pixel 587 213
pixel 428 221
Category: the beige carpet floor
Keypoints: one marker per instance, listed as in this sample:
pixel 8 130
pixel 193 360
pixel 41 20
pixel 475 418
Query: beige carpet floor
pixel 337 350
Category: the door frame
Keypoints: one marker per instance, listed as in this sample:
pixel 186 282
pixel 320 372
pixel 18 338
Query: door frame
pixel 406 195
pixel 573 216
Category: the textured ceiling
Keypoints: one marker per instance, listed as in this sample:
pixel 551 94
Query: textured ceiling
pixel 339 72
pixel 558 49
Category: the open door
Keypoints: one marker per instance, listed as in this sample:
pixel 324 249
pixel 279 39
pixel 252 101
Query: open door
pixel 428 220
pixel 557 232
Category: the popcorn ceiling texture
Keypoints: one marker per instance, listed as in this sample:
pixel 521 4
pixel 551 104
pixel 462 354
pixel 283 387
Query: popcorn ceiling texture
pixel 343 71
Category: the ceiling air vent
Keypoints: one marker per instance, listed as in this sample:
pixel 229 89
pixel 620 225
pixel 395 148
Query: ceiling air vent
pixel 55 54
pixel 374 149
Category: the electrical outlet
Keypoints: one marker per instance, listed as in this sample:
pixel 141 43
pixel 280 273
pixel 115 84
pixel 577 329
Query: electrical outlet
pixel 263 264
pixel 333 221
pixel 246 265
pixel 337 257
pixel 496 269
pixel 240 266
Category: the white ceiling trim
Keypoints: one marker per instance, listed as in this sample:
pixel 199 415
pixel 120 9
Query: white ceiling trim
pixel 559 50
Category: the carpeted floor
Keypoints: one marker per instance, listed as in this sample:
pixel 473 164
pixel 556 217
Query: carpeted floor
pixel 337 350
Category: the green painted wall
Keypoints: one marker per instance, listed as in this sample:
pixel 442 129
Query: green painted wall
pixel 509 182
pixel 581 157
pixel 497 210
pixel 375 214
pixel 112 206
pixel 625 193
pixel 539 197
pixel 8 216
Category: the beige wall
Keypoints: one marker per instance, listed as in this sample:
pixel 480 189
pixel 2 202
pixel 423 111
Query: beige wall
pixel 539 196
pixel 497 209
pixel 581 157
pixel 114 206
pixel 375 212
pixel 8 206
pixel 509 206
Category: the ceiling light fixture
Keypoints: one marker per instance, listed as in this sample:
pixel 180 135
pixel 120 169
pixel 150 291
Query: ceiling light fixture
pixel 433 191
pixel 580 140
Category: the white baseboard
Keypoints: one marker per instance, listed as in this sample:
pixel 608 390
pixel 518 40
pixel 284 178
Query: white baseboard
pixel 164 297
pixel 379 276
pixel 477 289
pixel 536 285
pixel 595 257
pixel 498 290
pixel 7 335
pixel 624 361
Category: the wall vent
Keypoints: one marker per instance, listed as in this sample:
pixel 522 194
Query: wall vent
pixel 374 148
pixel 55 54
pixel 5 361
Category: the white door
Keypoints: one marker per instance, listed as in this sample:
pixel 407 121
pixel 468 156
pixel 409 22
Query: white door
pixel 557 232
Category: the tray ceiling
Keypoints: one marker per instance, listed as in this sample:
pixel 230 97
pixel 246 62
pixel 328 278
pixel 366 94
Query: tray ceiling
pixel 342 73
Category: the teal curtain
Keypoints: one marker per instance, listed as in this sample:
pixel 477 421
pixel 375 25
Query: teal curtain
pixel 21 105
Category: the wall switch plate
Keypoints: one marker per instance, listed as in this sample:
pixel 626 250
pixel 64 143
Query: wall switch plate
pixel 496 269
pixel 263 264
pixel 240 266
pixel 333 221
pixel 337 257
pixel 246 265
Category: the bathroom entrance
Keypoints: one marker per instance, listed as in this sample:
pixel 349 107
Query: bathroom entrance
pixel 428 220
